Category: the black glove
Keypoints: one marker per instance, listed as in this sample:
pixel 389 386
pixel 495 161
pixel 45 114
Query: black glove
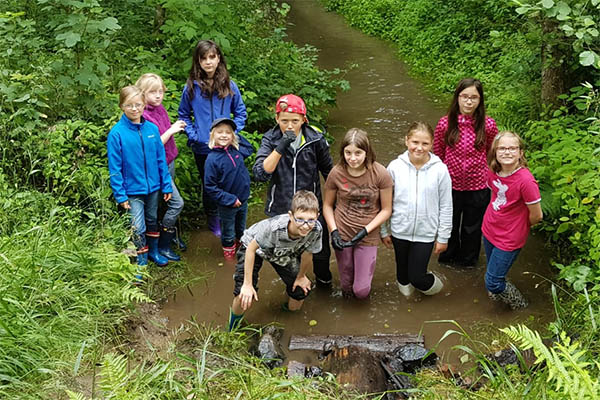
pixel 359 236
pixel 336 241
pixel 287 138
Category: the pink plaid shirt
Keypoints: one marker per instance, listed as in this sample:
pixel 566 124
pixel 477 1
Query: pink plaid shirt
pixel 467 165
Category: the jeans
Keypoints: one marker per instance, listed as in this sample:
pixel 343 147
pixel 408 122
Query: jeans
pixel 143 211
pixel 210 206
pixel 175 205
pixel 411 263
pixel 498 264
pixel 357 266
pixel 233 223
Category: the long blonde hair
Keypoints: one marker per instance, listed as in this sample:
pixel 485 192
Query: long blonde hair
pixel 211 141
pixel 493 162
pixel 149 81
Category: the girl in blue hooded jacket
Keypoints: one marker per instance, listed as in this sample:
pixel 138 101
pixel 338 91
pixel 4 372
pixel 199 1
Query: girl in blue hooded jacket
pixel 209 94
pixel 227 181
pixel 138 173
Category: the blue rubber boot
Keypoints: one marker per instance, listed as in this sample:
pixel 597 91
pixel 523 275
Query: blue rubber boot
pixel 234 320
pixel 153 254
pixel 178 241
pixel 164 244
pixel 142 264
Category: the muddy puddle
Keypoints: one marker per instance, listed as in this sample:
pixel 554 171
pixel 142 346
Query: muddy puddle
pixel 383 100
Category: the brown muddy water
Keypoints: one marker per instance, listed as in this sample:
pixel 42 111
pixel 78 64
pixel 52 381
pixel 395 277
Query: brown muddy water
pixel 383 100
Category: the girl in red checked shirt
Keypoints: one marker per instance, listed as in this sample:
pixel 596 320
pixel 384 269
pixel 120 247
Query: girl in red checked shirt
pixel 462 140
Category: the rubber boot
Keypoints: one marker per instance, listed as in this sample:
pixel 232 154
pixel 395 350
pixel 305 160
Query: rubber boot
pixel 234 320
pixel 164 244
pixel 435 288
pixel 406 290
pixel 153 254
pixel 178 240
pixel 229 253
pixel 214 225
pixel 142 263
pixel 513 297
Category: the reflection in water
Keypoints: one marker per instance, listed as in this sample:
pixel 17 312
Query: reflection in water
pixel 383 101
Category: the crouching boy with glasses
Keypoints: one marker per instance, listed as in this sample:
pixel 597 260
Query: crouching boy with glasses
pixel 288 242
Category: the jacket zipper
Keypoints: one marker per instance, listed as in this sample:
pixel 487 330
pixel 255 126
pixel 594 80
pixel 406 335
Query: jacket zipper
pixel 272 197
pixel 416 204
pixel 144 151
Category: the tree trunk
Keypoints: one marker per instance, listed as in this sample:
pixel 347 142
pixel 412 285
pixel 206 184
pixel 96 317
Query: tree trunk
pixel 554 71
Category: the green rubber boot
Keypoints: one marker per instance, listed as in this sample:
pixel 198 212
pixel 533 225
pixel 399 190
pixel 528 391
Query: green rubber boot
pixel 234 320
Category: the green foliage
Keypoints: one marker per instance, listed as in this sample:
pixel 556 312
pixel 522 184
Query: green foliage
pixel 567 365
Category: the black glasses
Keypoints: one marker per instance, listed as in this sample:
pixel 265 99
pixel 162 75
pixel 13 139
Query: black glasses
pixel 309 222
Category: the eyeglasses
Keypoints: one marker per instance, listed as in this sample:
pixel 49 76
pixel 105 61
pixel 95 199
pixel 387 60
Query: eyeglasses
pixel 511 149
pixel 132 106
pixel 309 222
pixel 466 97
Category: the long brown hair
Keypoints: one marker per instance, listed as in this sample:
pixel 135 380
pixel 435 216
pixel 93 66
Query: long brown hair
pixel 452 133
pixel 360 139
pixel 491 157
pixel 220 83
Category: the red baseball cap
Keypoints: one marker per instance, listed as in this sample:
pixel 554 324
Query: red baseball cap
pixel 290 103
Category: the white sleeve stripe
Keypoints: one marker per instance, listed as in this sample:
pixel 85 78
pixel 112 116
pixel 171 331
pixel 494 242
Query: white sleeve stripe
pixel 533 202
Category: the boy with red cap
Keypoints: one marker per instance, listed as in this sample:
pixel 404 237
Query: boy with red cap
pixel 290 157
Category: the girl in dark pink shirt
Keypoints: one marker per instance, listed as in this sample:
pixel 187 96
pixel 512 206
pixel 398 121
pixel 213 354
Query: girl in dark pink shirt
pixel 515 206
pixel 462 140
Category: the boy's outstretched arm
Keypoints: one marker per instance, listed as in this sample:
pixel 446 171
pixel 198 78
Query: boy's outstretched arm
pixel 301 279
pixel 247 292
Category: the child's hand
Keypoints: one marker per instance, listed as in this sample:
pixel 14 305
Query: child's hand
pixel 247 294
pixel 237 203
pixel 167 196
pixel 179 126
pixel 387 241
pixel 125 205
pixel 440 247
pixel 303 282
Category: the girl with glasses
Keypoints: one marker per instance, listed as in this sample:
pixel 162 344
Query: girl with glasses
pixel 138 174
pixel 515 206
pixel 462 139
pixel 358 199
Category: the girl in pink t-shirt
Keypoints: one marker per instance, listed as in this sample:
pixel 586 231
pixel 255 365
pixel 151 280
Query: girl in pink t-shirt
pixel 462 140
pixel 515 206
pixel 360 189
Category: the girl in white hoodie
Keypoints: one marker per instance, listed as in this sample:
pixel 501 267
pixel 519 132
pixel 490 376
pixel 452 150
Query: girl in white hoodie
pixel 421 219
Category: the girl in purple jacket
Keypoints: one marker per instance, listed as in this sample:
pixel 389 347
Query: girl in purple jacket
pixel 154 91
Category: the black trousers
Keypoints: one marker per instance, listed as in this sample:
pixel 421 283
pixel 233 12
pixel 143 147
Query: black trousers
pixel 210 207
pixel 468 208
pixel 321 259
pixel 411 263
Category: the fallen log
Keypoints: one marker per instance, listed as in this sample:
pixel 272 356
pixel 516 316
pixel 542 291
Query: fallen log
pixel 379 343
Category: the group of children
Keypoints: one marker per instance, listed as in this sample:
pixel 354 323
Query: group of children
pixel 435 197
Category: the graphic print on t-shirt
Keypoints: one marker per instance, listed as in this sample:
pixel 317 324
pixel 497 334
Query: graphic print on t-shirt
pixel 360 199
pixel 501 199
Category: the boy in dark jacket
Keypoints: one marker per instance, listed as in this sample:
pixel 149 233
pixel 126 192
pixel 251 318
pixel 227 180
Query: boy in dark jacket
pixel 227 182
pixel 290 157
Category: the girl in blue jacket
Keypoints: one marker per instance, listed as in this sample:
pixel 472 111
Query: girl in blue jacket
pixel 227 181
pixel 209 94
pixel 138 173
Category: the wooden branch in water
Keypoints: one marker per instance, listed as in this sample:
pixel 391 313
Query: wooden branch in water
pixel 381 343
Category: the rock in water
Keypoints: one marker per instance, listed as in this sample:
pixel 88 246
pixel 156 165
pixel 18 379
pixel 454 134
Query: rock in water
pixel 295 369
pixel 413 357
pixel 268 351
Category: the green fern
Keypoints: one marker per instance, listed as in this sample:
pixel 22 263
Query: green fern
pixel 566 363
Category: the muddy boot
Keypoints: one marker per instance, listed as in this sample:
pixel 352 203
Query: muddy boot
pixel 406 290
pixel 153 254
pixel 214 225
pixel 435 288
pixel 234 320
pixel 164 244
pixel 229 253
pixel 513 297
pixel 178 240
pixel 142 264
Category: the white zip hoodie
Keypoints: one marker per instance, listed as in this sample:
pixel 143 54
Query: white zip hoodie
pixel 422 205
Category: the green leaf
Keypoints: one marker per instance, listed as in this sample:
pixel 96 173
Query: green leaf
pixel 587 200
pixel 563 227
pixel 587 58
pixel 548 3
pixel 69 38
pixel 109 23
pixel 522 10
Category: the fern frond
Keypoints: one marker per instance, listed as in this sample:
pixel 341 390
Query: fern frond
pixel 566 363
pixel 75 396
